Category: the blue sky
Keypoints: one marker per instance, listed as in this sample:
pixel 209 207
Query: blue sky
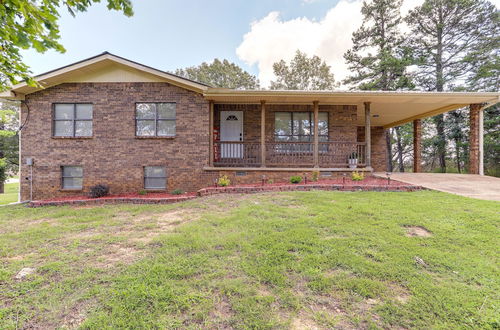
pixel 168 34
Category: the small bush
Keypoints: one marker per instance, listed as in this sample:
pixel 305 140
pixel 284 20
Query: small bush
pixel 177 192
pixel 296 179
pixel 99 190
pixel 315 176
pixel 270 181
pixel 223 181
pixel 357 176
pixel 143 192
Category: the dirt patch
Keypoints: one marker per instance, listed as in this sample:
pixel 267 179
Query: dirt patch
pixel 417 231
pixel 302 322
pixel 76 315
pixel 117 254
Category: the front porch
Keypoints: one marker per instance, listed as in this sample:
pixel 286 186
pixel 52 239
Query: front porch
pixel 289 137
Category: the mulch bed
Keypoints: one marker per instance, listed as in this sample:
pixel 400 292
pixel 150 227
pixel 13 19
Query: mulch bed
pixel 339 184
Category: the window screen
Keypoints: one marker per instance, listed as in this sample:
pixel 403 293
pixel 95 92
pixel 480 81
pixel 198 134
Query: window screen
pixel 73 119
pixel 72 177
pixel 155 177
pixel 155 119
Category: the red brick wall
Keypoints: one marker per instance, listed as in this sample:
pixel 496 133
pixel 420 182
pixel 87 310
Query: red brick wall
pixel 379 148
pixel 114 156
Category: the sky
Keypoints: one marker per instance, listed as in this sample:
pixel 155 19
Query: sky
pixel 169 34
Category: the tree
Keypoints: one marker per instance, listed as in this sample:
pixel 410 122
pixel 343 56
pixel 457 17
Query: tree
pixel 9 139
pixel 485 76
pixel 28 24
pixel 223 74
pixel 378 58
pixel 444 34
pixel 303 73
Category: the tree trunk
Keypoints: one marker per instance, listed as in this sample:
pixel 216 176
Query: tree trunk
pixel 441 142
pixel 400 149
pixel 2 187
pixel 457 148
pixel 439 119
pixel 389 149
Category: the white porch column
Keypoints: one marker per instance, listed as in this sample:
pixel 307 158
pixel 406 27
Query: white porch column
pixel 368 136
pixel 316 133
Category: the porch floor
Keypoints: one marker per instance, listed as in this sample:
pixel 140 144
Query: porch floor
pixel 468 185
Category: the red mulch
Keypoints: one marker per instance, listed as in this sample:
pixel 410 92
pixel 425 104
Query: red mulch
pixel 347 182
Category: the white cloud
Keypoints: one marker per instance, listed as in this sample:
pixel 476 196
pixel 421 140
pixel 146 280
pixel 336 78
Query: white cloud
pixel 271 39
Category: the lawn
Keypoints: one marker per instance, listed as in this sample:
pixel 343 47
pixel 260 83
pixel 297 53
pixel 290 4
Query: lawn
pixel 273 260
pixel 11 193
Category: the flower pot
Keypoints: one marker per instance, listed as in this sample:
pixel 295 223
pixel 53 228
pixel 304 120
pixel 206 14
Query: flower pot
pixel 353 163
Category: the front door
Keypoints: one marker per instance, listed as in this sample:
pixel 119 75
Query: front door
pixel 231 130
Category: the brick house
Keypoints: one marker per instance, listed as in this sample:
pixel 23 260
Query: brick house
pixel 110 120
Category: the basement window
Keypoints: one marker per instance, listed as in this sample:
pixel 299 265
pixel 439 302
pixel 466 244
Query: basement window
pixel 72 177
pixel 155 177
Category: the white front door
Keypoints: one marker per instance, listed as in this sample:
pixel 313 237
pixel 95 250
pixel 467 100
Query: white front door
pixel 231 129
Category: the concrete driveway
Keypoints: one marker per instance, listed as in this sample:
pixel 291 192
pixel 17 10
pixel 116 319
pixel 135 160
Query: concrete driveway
pixel 469 185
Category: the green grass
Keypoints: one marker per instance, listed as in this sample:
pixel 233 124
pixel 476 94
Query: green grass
pixel 281 260
pixel 11 193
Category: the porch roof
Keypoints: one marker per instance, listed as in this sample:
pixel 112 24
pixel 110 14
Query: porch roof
pixel 388 109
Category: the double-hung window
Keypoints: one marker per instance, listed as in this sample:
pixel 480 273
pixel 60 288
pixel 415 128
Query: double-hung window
pixel 155 119
pixel 72 177
pixel 72 120
pixel 155 177
pixel 299 127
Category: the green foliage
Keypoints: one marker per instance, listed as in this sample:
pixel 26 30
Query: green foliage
pixel 357 176
pixel 303 73
pixel 9 139
pixel 223 181
pixel 315 176
pixel 296 179
pixel 33 24
pixel 99 190
pixel 223 74
pixel 177 192
pixel 143 192
pixel 3 170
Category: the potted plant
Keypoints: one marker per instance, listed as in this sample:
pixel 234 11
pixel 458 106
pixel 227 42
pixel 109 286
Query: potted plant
pixel 353 160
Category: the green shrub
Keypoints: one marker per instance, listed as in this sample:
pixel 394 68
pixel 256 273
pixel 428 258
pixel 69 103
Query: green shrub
pixel 270 181
pixel 315 176
pixel 357 176
pixel 99 190
pixel 177 192
pixel 296 179
pixel 143 192
pixel 223 181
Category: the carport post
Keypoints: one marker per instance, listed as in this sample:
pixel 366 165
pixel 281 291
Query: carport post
pixel 476 139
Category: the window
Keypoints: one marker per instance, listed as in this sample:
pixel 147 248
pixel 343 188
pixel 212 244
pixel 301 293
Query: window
pixel 155 119
pixel 299 126
pixel 73 119
pixel 155 177
pixel 72 177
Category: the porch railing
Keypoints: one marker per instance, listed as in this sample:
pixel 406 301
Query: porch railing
pixel 287 154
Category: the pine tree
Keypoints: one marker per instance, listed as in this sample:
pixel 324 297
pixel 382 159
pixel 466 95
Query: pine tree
pixel 377 58
pixel 444 35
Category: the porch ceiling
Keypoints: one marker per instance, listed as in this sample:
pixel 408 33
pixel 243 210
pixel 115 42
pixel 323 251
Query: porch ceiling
pixel 387 108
